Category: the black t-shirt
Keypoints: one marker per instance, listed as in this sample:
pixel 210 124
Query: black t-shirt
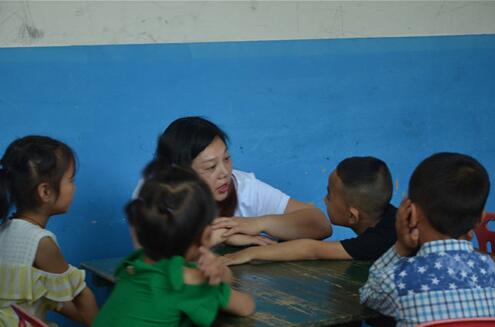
pixel 376 240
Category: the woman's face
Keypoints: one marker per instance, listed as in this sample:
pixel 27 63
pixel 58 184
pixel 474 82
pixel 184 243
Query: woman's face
pixel 213 164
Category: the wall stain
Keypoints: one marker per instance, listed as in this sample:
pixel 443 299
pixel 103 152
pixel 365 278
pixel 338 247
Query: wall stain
pixel 253 5
pixel 149 36
pixel 79 12
pixel 30 31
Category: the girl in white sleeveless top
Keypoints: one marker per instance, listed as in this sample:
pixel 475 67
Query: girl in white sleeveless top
pixel 36 176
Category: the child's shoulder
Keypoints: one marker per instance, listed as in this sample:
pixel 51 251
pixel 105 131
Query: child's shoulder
pixel 22 228
pixel 49 258
pixel 21 239
pixel 176 269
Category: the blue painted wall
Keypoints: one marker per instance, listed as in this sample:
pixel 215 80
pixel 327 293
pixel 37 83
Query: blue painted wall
pixel 293 110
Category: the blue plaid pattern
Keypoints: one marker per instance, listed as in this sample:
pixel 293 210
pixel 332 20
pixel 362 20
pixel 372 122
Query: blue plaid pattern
pixel 446 279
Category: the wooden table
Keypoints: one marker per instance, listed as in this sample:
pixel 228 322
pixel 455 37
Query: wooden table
pixel 304 293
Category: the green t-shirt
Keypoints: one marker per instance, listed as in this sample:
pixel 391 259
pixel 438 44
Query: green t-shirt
pixel 148 295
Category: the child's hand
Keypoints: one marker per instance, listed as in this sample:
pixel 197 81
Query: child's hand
pixel 212 267
pixel 244 240
pixel 237 226
pixel 406 229
pixel 237 258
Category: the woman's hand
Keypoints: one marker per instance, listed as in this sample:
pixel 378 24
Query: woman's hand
pixel 234 225
pixel 245 240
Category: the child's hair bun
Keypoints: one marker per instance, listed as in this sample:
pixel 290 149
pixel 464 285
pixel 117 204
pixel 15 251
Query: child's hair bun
pixel 173 208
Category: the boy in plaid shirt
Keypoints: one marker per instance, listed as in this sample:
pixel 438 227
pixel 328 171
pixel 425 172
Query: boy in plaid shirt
pixel 432 272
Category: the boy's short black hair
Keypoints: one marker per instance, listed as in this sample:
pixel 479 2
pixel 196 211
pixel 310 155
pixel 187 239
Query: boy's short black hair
pixel 451 189
pixel 367 184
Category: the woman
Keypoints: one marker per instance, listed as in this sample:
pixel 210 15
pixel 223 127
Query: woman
pixel 198 143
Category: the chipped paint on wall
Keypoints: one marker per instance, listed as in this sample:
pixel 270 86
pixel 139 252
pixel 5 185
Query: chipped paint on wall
pixel 52 23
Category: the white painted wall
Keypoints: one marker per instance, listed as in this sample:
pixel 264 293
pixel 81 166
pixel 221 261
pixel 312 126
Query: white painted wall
pixel 51 23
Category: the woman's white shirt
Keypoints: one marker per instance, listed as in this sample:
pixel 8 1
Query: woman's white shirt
pixel 254 197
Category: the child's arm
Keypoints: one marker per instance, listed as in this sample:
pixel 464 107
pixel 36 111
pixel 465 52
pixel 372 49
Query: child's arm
pixel 50 259
pixel 290 250
pixel 300 220
pixel 213 267
pixel 76 308
pixel 240 304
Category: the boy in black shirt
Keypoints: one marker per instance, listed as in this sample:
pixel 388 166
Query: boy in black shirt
pixel 358 195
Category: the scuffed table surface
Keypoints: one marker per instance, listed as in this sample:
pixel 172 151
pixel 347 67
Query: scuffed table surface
pixel 297 293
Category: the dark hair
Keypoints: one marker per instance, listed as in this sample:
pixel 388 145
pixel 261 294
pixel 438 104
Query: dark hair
pixel 451 189
pixel 172 210
pixel 367 184
pixel 28 162
pixel 182 141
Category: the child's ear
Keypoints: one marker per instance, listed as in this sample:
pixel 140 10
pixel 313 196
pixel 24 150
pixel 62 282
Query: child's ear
pixel 45 192
pixel 415 217
pixel 353 216
pixel 206 237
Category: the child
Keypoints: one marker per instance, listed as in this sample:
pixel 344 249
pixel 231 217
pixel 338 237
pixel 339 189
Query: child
pixel 159 285
pixel 201 145
pixel 358 195
pixel 432 272
pixel 36 175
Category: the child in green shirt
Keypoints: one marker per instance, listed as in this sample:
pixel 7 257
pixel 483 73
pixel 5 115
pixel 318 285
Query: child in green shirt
pixel 159 285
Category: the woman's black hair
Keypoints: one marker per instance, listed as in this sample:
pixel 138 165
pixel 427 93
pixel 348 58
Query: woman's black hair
pixel 173 208
pixel 182 141
pixel 28 162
